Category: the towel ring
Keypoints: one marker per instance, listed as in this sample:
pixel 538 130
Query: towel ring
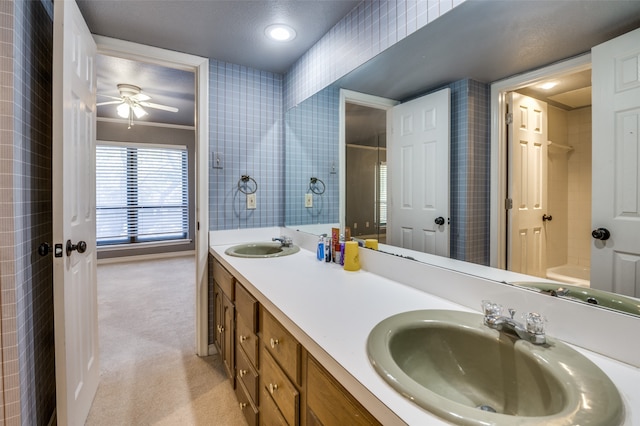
pixel 314 188
pixel 242 184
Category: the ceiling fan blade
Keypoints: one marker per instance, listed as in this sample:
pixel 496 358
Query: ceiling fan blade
pixel 140 97
pixel 158 106
pixel 109 103
pixel 110 97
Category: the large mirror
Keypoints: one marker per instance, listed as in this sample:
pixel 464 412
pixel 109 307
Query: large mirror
pixel 463 51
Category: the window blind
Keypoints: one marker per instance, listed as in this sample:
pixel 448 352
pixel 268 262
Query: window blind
pixel 382 171
pixel 141 194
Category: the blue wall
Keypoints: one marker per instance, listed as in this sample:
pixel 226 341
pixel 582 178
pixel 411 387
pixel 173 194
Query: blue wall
pixel 245 125
pixel 311 133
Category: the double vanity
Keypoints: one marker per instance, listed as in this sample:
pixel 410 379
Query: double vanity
pixel 403 342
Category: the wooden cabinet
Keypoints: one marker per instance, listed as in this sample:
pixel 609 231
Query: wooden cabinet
pixel 328 402
pixel 224 317
pixel 276 381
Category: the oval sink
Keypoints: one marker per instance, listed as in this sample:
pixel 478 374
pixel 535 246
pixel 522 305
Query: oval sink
pixel 452 365
pixel 261 249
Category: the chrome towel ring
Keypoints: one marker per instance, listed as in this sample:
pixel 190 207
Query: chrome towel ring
pixel 313 186
pixel 243 185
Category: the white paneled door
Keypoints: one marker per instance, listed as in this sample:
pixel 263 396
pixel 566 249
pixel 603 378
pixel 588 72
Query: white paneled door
pixel 74 232
pixel 418 174
pixel 615 261
pixel 527 133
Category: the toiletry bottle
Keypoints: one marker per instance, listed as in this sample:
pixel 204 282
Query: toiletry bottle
pixel 342 249
pixel 327 249
pixel 320 250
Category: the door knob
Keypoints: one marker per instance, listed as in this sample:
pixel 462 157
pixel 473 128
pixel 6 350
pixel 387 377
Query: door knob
pixel 602 234
pixel 81 247
pixel 43 249
pixel 439 220
pixel 546 217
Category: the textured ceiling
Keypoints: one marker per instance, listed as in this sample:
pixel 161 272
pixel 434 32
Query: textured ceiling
pixel 230 31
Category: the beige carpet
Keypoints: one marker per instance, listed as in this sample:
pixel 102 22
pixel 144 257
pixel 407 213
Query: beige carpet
pixel 150 374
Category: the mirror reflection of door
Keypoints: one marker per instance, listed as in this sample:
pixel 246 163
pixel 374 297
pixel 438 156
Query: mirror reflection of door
pixel 366 160
pixel 563 252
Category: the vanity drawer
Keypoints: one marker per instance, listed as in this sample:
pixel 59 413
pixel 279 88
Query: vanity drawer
pixel 269 413
pixel 247 307
pixel 249 411
pixel 282 345
pixel 284 393
pixel 224 279
pixel 247 340
pixel 247 375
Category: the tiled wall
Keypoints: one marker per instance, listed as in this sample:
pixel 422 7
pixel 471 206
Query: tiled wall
pixel 26 280
pixel 370 28
pixel 470 171
pixel 579 178
pixel 10 384
pixel 569 188
pixel 245 122
pixel 311 150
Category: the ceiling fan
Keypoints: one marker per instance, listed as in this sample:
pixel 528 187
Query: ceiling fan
pixel 132 101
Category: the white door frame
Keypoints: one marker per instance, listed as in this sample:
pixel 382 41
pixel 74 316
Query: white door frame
pixel 359 99
pixel 499 89
pixel 200 66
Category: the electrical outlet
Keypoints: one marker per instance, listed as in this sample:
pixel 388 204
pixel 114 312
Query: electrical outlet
pixel 308 200
pixel 366 224
pixel 355 225
pixel 251 201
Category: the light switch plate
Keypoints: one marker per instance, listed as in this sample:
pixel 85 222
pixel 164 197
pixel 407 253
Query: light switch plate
pixel 251 201
pixel 308 200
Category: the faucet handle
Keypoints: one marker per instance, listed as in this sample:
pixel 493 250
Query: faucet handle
pixel 490 309
pixel 535 323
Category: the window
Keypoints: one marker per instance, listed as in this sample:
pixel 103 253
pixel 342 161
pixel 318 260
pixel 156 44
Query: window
pixel 383 193
pixel 141 194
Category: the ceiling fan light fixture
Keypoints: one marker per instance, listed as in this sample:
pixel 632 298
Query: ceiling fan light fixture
pixel 138 111
pixel 123 110
pixel 280 32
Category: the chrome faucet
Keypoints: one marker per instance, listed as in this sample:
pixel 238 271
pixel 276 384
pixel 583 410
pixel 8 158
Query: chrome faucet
pixel 284 241
pixel 532 330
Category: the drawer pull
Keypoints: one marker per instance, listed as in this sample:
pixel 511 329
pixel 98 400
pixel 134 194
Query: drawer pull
pixel 242 405
pixel 273 387
pixel 243 338
pixel 242 373
pixel 220 329
pixel 273 342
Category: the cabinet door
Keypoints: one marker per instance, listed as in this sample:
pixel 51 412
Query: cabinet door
pixel 228 336
pixel 218 321
pixel 328 403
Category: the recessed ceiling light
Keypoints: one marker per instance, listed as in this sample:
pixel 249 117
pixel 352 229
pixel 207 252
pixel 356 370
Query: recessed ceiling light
pixel 548 85
pixel 280 32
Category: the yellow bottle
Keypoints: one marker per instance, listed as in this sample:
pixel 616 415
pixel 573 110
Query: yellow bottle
pixel 351 256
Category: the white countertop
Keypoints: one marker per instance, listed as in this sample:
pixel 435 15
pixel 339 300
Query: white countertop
pixel 331 312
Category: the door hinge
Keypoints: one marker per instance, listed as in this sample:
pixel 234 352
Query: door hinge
pixel 508 204
pixel 508 118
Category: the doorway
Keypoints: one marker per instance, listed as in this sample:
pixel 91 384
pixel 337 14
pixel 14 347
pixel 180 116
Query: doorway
pixel 366 171
pixel 564 221
pixel 199 66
